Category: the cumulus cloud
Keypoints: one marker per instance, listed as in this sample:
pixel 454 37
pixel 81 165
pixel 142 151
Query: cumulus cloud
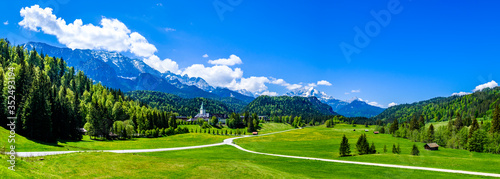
pixel 110 34
pixel 268 93
pixel 460 94
pixel 324 82
pixel 232 60
pixel 282 82
pixel 140 46
pixel 373 103
pixel 490 84
pixel 252 84
pixel 355 91
pixel 162 65
pixel 312 85
pixel 392 104
pixel 205 56
pixel 6 23
pixel 220 76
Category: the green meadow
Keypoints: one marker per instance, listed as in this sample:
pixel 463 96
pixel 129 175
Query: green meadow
pixel 322 142
pixel 24 145
pixel 213 162
pixel 181 140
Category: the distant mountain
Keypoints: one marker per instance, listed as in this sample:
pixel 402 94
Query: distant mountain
pixel 351 108
pixel 478 104
pixel 286 105
pixel 309 92
pixel 358 108
pixel 118 71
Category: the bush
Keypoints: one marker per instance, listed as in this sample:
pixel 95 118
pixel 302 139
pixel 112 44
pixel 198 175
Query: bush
pixel 415 150
pixel 205 125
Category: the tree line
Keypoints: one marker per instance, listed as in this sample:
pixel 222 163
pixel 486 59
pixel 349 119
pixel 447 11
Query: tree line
pixel 460 133
pixel 53 101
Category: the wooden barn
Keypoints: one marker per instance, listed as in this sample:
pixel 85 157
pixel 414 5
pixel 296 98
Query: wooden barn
pixel 431 146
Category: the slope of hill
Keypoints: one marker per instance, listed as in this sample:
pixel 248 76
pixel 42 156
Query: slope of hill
pixel 357 108
pixel 186 107
pixel 478 104
pixel 286 105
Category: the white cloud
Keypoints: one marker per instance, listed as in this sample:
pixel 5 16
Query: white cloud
pixel 162 65
pixel 293 86
pixel 268 93
pixel 373 103
pixel 460 94
pixel 355 91
pixel 6 23
pixel 220 76
pixel 140 46
pixel 111 35
pixel 392 104
pixel 159 4
pixel 252 84
pixel 490 84
pixel 232 60
pixel 168 29
pixel 282 82
pixel 205 56
pixel 346 93
pixel 324 82
pixel 312 85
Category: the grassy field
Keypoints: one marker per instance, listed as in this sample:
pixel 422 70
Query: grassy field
pixel 213 162
pixel 182 140
pixel 322 142
pixel 264 128
pixel 24 145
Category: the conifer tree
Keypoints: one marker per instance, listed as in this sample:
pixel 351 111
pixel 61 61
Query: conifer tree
pixel 415 150
pixel 345 147
pixel 495 122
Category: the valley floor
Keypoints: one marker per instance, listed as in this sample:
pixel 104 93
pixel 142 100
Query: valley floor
pixel 222 161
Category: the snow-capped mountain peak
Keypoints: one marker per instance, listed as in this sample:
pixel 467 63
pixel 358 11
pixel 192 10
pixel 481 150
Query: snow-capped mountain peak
pixel 309 92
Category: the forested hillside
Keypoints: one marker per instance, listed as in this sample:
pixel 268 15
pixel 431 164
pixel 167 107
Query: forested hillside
pixel 286 105
pixel 478 104
pixel 52 101
pixel 185 106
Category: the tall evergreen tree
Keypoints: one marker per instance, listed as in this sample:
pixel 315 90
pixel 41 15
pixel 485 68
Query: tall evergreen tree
pixel 345 147
pixel 415 150
pixel 495 122
pixel 474 126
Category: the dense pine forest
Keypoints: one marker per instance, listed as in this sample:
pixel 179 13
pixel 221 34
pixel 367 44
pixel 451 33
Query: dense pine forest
pixel 52 101
pixel 307 108
pixel 473 121
pixel 183 106
pixel 479 104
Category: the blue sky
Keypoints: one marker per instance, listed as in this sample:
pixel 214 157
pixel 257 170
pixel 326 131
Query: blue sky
pixel 426 49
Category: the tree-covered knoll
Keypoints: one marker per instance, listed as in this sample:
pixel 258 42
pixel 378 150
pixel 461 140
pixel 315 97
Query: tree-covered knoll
pixel 286 105
pixel 479 104
pixel 185 106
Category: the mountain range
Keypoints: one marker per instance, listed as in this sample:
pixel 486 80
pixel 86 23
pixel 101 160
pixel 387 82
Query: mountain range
pixel 118 71
pixel 352 108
